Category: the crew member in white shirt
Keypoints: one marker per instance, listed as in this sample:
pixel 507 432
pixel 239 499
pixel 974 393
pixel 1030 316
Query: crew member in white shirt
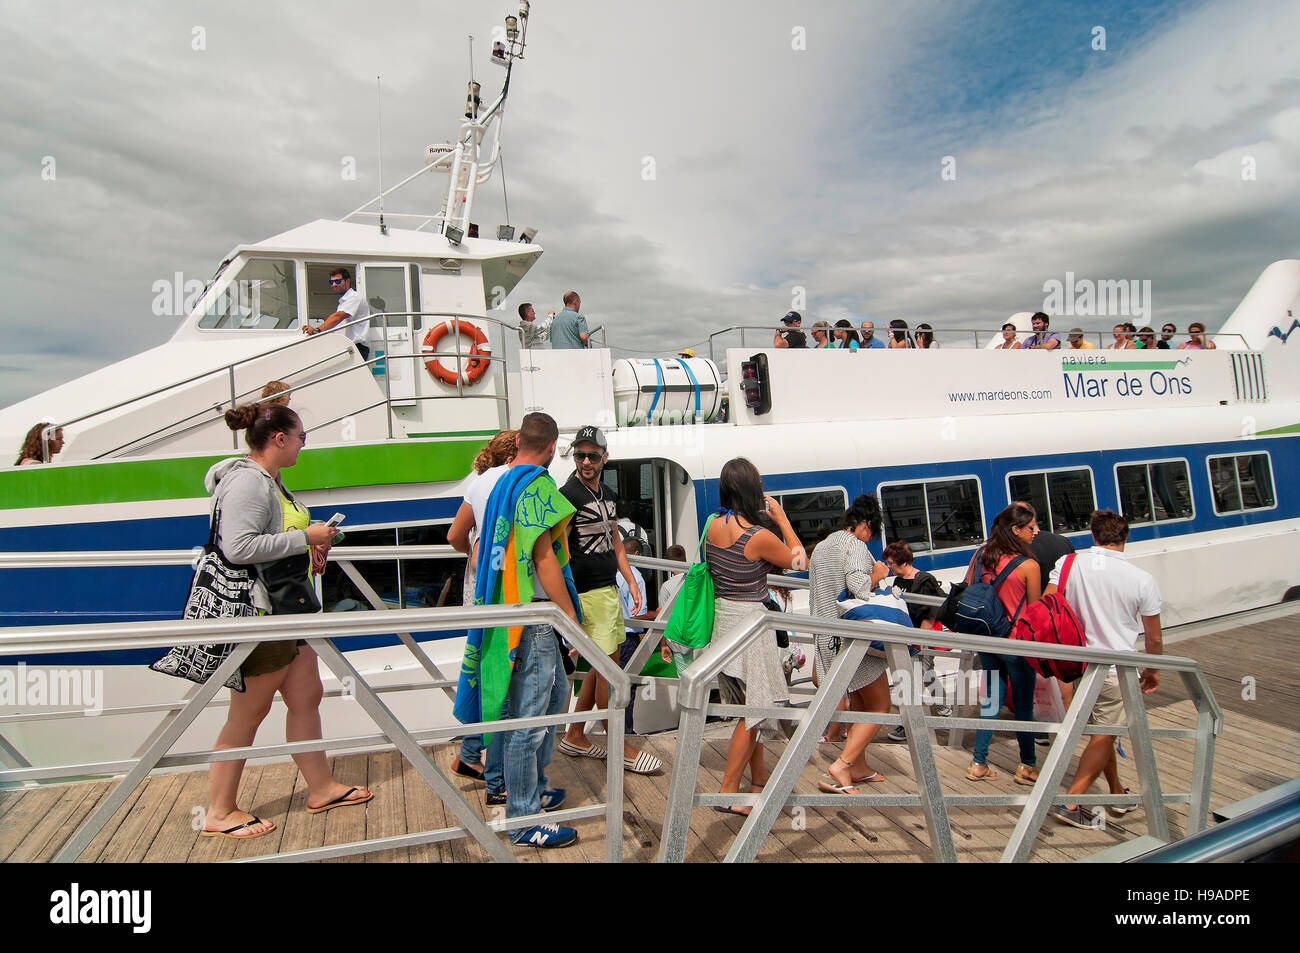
pixel 1116 602
pixel 351 305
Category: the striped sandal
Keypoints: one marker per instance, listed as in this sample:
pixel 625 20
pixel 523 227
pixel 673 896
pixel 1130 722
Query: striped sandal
pixel 592 750
pixel 643 763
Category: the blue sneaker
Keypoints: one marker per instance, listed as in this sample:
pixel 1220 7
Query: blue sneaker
pixel 552 799
pixel 548 835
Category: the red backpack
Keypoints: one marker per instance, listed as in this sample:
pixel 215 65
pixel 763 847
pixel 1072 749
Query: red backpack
pixel 1053 621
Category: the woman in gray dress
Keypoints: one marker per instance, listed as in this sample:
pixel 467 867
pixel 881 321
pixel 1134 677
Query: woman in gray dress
pixel 842 561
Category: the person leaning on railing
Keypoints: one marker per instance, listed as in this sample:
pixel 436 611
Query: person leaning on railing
pixel 259 522
pixel 744 546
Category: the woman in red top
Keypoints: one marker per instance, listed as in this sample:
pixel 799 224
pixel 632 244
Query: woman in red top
pixel 1009 537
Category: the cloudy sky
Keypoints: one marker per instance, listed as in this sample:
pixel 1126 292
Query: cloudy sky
pixel 794 145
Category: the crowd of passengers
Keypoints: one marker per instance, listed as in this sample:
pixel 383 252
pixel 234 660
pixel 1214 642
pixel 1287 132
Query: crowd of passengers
pixel 844 336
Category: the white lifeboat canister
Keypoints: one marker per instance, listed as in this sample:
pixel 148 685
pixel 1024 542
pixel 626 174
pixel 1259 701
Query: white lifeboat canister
pixel 666 390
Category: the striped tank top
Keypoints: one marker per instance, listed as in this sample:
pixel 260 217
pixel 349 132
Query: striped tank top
pixel 735 576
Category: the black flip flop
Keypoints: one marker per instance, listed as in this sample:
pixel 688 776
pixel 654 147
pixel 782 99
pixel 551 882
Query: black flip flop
pixel 468 771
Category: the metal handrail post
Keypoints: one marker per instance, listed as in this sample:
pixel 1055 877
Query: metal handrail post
pixel 798 751
pixel 1021 841
pixel 921 744
pixel 234 434
pixel 1144 753
pixel 416 756
pixel 681 784
pixel 1203 759
pixel 79 841
pixel 965 666
pixel 11 754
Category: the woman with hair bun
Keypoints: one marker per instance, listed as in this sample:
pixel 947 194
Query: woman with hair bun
pixel 259 522
pixel 1009 537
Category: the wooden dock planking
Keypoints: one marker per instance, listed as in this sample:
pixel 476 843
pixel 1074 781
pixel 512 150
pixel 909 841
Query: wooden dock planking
pixel 1258 749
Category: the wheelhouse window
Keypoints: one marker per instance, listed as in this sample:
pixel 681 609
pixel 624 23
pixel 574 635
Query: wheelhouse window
pixel 814 514
pixel 1064 499
pixel 934 514
pixel 263 296
pixel 1154 492
pixel 1241 482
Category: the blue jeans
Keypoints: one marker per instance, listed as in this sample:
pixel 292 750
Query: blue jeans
pixel 538 687
pixel 1022 700
pixel 494 774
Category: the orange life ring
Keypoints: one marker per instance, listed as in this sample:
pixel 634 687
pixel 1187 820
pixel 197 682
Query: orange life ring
pixel 474 367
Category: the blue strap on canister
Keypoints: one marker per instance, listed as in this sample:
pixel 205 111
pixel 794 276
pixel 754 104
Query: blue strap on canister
pixel 659 389
pixel 694 383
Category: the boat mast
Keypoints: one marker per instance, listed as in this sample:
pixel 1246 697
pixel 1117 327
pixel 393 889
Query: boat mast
pixel 467 169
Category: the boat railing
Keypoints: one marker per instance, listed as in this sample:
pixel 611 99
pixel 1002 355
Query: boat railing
pixel 204 417
pixel 953 337
pixel 321 632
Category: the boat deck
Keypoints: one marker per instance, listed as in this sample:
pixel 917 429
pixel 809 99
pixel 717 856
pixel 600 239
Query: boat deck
pixel 1258 749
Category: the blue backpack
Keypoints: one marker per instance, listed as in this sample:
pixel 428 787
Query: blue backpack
pixel 977 608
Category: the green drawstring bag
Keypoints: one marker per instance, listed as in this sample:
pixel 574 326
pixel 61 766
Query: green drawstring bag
pixel 691 622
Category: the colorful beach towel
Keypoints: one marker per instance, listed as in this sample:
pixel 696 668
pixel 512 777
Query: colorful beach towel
pixel 524 504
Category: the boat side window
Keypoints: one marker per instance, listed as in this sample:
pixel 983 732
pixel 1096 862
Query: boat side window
pixel 1241 482
pixel 814 514
pixel 1155 492
pixel 1064 499
pixel 263 296
pixel 933 514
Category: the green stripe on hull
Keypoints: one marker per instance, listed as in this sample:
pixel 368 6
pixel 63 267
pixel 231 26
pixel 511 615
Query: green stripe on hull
pixel 134 481
pixel 1119 366
pixel 1290 428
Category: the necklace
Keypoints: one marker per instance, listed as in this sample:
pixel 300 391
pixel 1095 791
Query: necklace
pixel 598 497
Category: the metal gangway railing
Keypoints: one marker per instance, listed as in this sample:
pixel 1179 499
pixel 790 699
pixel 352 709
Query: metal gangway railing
pixel 815 710
pixel 321 632
pixel 934 802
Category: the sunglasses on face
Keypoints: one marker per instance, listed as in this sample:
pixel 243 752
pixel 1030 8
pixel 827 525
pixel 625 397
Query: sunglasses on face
pixel 581 455
pixel 336 281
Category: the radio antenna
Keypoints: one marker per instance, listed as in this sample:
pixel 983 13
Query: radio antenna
pixel 379 120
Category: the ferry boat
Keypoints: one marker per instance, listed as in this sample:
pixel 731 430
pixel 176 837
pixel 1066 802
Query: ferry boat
pixel 1191 445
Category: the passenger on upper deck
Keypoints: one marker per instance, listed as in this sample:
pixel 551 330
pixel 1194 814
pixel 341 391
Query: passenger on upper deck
pixel 1009 342
pixel 846 338
pixel 351 306
pixel 925 337
pixel 1147 338
pixel 1078 342
pixel 537 333
pixel 33 450
pixel 1116 602
pixel 821 335
pixel 1197 340
pixel 569 329
pixel 1167 332
pixel 898 336
pixel 791 336
pixel 1042 339
pixel 869 339
pixel 1122 342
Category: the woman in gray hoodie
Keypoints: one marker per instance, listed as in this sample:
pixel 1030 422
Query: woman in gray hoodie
pixel 258 522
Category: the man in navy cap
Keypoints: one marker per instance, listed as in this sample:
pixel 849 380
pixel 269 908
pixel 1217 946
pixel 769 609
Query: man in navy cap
pixel 791 336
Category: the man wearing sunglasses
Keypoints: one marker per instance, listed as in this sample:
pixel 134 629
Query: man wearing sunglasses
pixel 597 558
pixel 351 306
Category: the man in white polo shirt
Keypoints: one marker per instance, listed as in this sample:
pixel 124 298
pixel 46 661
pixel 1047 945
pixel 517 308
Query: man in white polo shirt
pixel 1116 602
pixel 351 305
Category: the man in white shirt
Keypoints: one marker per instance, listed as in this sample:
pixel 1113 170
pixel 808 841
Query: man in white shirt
pixel 1116 602
pixel 351 305
pixel 536 331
